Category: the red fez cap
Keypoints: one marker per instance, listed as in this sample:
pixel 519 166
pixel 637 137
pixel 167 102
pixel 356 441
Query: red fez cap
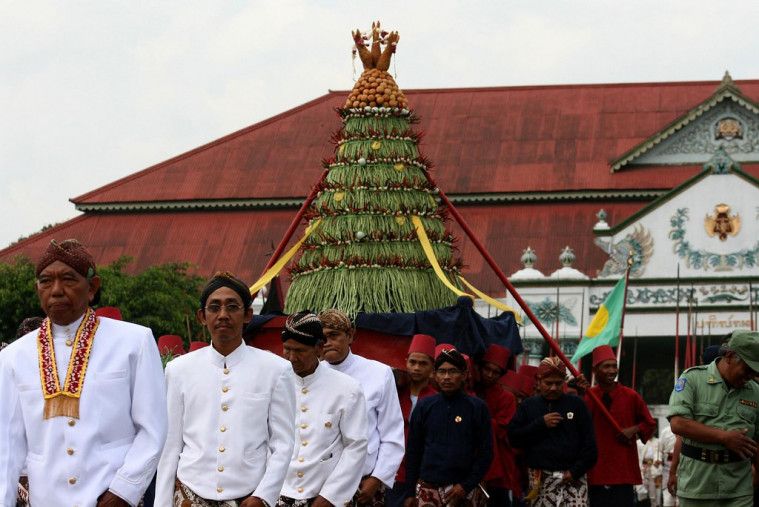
pixel 443 346
pixel 468 362
pixel 197 345
pixel 511 379
pixel 603 353
pixel 528 371
pixel 498 355
pixel 110 312
pixel 528 384
pixel 423 344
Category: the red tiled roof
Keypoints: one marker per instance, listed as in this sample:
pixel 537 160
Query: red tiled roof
pixel 514 139
pixel 241 241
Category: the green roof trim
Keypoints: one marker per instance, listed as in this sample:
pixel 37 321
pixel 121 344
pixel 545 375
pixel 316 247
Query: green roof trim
pixel 726 90
pixel 295 202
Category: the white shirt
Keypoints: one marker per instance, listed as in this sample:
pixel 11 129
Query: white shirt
pixel 231 425
pixel 330 437
pixel 116 442
pixel 384 422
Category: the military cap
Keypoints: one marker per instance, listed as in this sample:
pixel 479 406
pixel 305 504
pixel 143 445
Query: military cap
pixel 745 344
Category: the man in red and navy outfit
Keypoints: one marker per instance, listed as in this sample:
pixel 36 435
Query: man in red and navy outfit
pixel 611 481
pixel 502 404
pixel 419 367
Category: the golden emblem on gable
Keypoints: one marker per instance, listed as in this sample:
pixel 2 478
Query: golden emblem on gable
pixel 728 128
pixel 722 223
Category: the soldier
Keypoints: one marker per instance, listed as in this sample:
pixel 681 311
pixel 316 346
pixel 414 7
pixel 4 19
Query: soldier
pixel 713 408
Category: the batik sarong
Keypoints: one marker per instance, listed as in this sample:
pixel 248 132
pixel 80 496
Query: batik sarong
pixel 286 501
pixel 428 495
pixel 185 497
pixel 548 489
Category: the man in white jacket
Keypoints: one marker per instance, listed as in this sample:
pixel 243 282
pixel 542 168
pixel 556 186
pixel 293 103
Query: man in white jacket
pixel 82 398
pixel 231 412
pixel 330 426
pixel 384 419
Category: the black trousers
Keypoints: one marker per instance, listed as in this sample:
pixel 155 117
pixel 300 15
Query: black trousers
pixel 618 495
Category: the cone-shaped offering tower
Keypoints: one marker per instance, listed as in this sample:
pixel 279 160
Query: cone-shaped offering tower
pixel 365 255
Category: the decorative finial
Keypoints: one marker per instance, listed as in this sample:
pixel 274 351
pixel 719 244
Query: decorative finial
pixel 727 79
pixel 601 224
pixel 529 258
pixel 567 257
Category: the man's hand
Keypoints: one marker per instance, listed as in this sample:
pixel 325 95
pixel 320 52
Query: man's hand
pixel 629 434
pixel 672 483
pixel 582 383
pixel 320 501
pixel 739 443
pixel 552 419
pixel 109 499
pixel 252 501
pixel 367 489
pixel 454 495
pixel 567 477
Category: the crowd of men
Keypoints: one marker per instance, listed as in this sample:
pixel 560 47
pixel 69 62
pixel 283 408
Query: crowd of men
pixel 90 418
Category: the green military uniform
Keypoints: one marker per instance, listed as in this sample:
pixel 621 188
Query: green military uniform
pixel 701 395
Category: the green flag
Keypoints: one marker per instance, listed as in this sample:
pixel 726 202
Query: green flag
pixel 604 328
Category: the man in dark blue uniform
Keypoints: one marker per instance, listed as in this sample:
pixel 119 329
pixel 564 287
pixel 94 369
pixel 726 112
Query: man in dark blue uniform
pixel 450 442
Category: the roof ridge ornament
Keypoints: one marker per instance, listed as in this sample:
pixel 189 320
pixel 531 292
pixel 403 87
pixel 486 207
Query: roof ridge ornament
pixel 728 84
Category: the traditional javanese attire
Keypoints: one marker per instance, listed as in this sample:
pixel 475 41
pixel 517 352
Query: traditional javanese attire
pixel 612 479
pixel 384 421
pixel 115 442
pixel 330 438
pixel 231 427
pixel 449 443
pixel 549 452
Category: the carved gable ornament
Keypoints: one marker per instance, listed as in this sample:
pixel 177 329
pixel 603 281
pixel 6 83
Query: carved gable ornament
pixel 726 122
pixel 721 223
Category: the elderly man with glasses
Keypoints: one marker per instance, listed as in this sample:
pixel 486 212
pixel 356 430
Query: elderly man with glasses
pixel 231 412
pixel 450 444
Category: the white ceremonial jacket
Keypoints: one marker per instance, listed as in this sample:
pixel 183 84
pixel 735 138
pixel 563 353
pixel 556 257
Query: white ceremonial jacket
pixel 231 425
pixel 116 442
pixel 330 437
pixel 384 421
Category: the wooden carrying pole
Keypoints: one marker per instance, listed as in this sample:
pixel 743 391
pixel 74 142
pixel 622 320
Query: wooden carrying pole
pixel 293 226
pixel 521 302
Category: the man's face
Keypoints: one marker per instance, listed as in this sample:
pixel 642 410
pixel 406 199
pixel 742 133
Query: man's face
pixel 65 294
pixel 419 367
pixel 606 372
pixel 490 373
pixel 336 345
pixel 449 378
pixel 737 373
pixel 303 358
pixel 224 316
pixel 551 386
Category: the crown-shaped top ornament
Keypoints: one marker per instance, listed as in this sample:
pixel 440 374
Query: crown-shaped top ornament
pixel 375 87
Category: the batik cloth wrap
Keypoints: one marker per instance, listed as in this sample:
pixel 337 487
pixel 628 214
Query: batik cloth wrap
pixel 548 489
pixel 378 500
pixel 286 501
pixel 428 495
pixel 185 497
pixel 65 402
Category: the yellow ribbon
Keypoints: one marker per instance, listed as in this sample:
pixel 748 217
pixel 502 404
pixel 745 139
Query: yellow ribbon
pixel 277 267
pixel 492 301
pixel 430 253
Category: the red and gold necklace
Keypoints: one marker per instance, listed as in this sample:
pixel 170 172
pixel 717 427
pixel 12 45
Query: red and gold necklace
pixel 65 402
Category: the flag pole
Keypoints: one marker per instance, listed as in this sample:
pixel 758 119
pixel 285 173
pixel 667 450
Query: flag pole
pixel 582 326
pixel 677 327
pixel 751 306
pixel 635 357
pixel 687 334
pixel 521 302
pixel 294 225
pixel 622 321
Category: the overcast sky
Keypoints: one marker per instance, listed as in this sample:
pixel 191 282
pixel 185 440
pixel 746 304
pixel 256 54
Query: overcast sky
pixel 94 91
